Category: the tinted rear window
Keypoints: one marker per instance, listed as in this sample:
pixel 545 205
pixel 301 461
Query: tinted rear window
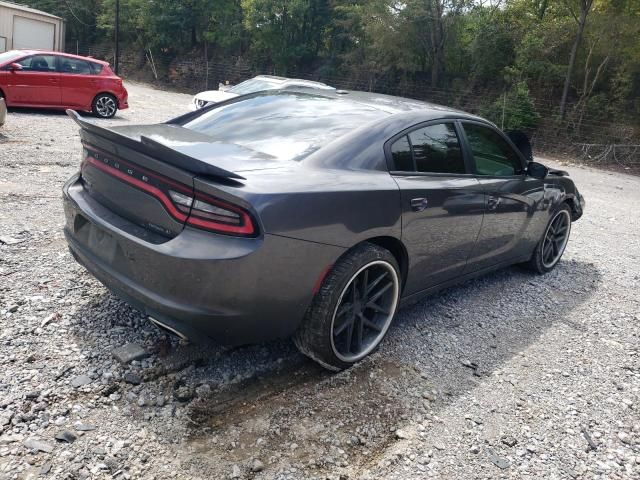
pixel 402 156
pixel 436 149
pixel 286 126
pixel 74 66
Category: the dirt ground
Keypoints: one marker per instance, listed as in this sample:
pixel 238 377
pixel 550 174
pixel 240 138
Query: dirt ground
pixel 508 376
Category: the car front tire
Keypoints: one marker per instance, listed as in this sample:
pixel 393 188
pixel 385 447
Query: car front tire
pixel 352 311
pixel 553 243
pixel 104 105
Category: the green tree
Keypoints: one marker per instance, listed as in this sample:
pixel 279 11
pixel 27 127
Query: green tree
pixel 514 110
pixel 287 33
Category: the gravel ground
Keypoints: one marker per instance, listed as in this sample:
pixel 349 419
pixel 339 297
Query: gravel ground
pixel 508 376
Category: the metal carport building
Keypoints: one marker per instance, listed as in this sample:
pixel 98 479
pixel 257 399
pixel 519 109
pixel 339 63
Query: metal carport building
pixel 26 27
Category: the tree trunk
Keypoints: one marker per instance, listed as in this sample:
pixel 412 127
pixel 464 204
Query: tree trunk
pixel 436 9
pixel 585 6
pixel 206 66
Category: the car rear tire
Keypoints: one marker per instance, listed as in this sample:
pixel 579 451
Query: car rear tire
pixel 352 311
pixel 104 105
pixel 554 241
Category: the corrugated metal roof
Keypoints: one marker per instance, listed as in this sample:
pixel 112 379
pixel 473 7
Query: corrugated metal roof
pixel 24 8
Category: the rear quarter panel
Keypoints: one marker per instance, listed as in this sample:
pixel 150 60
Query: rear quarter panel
pixel 335 207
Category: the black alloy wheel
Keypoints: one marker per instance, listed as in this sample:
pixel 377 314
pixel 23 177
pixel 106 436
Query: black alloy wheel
pixel 556 238
pixel 365 311
pixel 549 250
pixel 352 311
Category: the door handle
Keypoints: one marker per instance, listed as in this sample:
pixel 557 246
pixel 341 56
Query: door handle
pixel 492 202
pixel 419 204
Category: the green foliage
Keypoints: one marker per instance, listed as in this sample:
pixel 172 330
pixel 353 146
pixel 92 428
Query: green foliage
pixel 514 110
pixel 470 44
pixel 285 33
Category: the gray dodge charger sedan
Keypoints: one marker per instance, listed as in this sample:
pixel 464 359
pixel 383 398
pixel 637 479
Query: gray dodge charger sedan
pixel 312 215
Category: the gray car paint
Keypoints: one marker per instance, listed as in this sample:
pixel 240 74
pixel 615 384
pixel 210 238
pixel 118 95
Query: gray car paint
pixel 309 213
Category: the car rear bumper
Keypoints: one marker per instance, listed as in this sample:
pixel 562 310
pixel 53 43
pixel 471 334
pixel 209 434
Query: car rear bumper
pixel 235 290
pixel 123 98
pixel 123 102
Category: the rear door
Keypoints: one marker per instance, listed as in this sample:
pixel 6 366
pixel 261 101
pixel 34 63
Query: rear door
pixel 37 83
pixel 77 81
pixel 442 203
pixel 511 196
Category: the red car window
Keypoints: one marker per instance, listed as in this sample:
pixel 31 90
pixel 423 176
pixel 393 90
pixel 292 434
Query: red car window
pixel 74 66
pixel 96 68
pixel 38 63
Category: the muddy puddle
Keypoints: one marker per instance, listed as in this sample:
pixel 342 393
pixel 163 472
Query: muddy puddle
pixel 300 414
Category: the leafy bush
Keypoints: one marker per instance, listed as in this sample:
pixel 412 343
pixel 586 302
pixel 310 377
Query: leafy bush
pixel 516 106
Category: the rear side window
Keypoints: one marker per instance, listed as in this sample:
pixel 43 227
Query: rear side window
pixel 431 149
pixel 491 153
pixel 401 153
pixel 96 68
pixel 74 66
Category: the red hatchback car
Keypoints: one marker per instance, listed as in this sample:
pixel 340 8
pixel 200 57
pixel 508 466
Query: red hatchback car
pixel 36 78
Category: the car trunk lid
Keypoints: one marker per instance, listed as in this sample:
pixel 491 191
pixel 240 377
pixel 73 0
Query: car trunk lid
pixel 146 175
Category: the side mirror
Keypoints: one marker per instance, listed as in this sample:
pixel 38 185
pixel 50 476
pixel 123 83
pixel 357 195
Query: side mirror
pixel 537 170
pixel 15 66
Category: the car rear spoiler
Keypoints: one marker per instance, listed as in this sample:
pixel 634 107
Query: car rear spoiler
pixel 156 150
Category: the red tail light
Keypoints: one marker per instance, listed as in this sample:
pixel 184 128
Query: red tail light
pixel 202 211
pixel 213 214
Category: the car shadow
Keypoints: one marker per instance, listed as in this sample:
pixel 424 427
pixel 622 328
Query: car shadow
pixel 270 402
pixel 61 113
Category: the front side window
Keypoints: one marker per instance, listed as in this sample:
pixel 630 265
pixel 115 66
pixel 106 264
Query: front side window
pixel 431 149
pixel 74 66
pixel 491 153
pixel 39 63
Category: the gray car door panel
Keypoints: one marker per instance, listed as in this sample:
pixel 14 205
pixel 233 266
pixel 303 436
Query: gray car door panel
pixel 442 203
pixel 440 237
pixel 512 197
pixel 510 208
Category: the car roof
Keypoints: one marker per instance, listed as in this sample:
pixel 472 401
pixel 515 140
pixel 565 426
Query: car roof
pixel 293 124
pixel 60 54
pixel 395 105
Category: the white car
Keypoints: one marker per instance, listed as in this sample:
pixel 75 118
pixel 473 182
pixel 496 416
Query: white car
pixel 255 84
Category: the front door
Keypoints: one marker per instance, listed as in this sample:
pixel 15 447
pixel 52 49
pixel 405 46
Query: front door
pixel 37 83
pixel 511 195
pixel 442 203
